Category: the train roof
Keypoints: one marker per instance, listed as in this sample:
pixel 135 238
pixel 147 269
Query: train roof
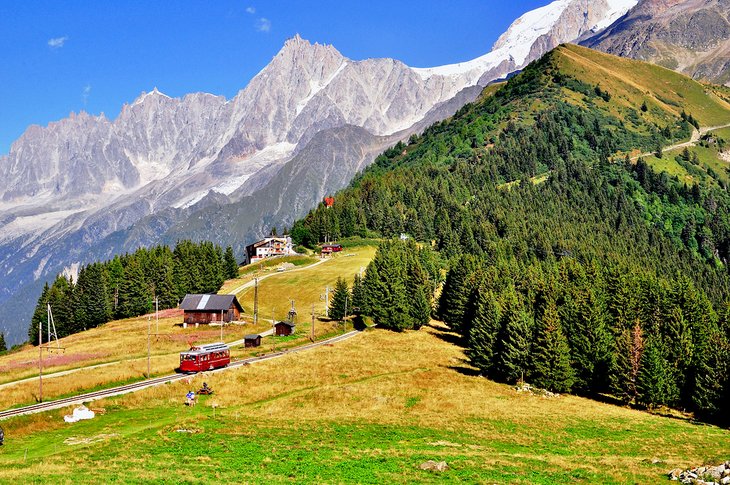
pixel 205 348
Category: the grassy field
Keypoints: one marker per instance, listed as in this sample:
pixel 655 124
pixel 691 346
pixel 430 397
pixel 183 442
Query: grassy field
pixel 305 287
pixel 368 410
pixel 121 346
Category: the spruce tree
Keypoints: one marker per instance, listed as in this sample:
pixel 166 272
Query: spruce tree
pixel 3 345
pixel 40 315
pixel 652 383
pixel 551 355
pixel 229 263
pixel 514 354
pixel 482 348
pixel 358 296
pixel 712 392
pixel 134 296
pixel 627 363
pixel 341 300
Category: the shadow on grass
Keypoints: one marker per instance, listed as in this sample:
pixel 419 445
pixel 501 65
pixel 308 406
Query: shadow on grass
pixel 448 336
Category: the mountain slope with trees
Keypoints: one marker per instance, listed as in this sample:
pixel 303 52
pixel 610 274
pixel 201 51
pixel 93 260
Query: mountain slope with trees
pixel 570 263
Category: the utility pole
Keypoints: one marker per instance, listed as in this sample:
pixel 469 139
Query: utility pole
pixel 157 316
pixel 273 329
pixel 312 337
pixel 327 301
pixel 221 326
pixel 255 300
pixel 149 325
pixel 344 318
pixel 40 361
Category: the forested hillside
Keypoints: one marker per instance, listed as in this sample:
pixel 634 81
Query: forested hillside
pixel 128 285
pixel 572 264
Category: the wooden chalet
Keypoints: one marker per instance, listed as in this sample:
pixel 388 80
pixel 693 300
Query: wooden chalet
pixel 253 340
pixel 282 329
pixel 205 309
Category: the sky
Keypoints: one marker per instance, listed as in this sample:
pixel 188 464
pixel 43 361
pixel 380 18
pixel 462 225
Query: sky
pixel 62 57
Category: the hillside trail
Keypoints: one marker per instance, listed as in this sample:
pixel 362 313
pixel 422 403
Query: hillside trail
pixel 696 135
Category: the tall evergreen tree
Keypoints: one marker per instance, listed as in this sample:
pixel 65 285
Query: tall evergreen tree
pixel 516 339
pixel 92 299
pixel 484 332
pixel 40 315
pixel 3 345
pixel 653 383
pixel 134 295
pixel 341 303
pixel 358 295
pixel 229 263
pixel 551 355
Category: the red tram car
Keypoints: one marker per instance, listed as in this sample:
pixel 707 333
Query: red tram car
pixel 205 357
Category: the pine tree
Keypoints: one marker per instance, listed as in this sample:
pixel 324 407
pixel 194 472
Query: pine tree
pixel 652 383
pixel 134 296
pixel 230 265
pixel 341 300
pixel 358 296
pixel 712 393
pixel 551 355
pixel 3 345
pixel 92 301
pixel 455 294
pixel 484 332
pixel 590 344
pixel 627 363
pixel 514 354
pixel 385 288
pixel 40 315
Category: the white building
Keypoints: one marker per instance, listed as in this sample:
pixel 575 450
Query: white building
pixel 269 247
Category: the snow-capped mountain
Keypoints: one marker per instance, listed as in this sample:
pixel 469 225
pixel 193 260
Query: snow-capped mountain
pixel 87 187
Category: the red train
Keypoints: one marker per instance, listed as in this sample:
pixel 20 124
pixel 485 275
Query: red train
pixel 205 357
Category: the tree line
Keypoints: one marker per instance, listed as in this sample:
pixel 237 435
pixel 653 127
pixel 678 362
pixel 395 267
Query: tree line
pixel 128 285
pixel 591 329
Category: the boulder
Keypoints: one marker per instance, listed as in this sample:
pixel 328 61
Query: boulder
pixel 434 466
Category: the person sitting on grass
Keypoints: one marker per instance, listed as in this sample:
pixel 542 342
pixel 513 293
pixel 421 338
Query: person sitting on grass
pixel 190 398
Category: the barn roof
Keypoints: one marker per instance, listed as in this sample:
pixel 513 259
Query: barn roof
pixel 209 303
pixel 289 324
pixel 253 336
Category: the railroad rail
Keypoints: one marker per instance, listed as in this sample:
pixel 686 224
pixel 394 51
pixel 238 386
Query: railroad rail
pixel 138 386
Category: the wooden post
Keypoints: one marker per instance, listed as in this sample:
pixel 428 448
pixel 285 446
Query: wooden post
pixel 40 361
pixel 157 316
pixel 327 301
pixel 149 325
pixel 255 300
pixel 312 337
pixel 221 326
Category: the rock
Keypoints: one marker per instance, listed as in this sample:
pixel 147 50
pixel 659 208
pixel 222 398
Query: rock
pixel 674 474
pixel 434 466
pixel 725 480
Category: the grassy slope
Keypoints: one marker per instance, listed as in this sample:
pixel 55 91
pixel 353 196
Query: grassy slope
pixel 124 342
pixel 305 287
pixel 630 83
pixel 368 410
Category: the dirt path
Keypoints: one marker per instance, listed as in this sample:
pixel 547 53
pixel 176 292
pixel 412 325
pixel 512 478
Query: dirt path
pixel 696 135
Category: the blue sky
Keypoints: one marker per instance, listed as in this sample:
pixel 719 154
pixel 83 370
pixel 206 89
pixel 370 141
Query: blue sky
pixel 58 57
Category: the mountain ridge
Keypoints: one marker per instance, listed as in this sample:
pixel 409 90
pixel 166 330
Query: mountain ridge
pixel 177 156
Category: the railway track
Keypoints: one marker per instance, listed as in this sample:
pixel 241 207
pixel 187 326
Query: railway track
pixel 138 386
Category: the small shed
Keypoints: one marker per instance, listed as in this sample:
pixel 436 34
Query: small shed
pixel 253 340
pixel 282 329
pixel 207 309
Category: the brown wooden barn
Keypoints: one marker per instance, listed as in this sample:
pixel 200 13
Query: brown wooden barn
pixel 253 340
pixel 207 309
pixel 282 329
